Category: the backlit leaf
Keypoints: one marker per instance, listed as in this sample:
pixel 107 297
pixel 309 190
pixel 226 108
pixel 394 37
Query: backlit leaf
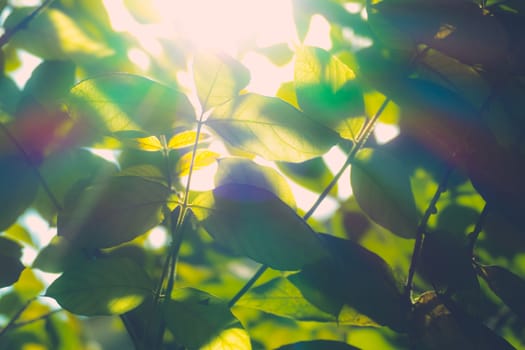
pixel 326 87
pixel 232 338
pixel 60 37
pixel 185 139
pixel 106 286
pixel 242 171
pixel 271 128
pixel 218 79
pixel 203 158
pixel 124 102
pixel 113 212
pixel 381 187
pixel 150 143
pixel 255 223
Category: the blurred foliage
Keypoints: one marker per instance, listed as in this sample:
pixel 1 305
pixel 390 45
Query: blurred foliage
pixel 426 253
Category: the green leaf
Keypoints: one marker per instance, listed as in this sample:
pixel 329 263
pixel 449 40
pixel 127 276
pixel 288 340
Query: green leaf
pixel 18 188
pixel 125 102
pixel 9 97
pixel 507 285
pixel 271 128
pixel 326 87
pixel 218 79
pixel 446 261
pixel 203 158
pixel 280 297
pixel 195 317
pixel 381 187
pixel 65 169
pixel 443 325
pixel 253 222
pixel 59 37
pixel 232 338
pixel 105 286
pixel 185 139
pixel 358 278
pixel 10 254
pixel 318 345
pixel 61 73
pixel 312 174
pixel 57 256
pixel 242 171
pixel 113 212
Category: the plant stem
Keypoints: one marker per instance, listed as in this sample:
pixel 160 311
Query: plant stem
pixel 248 285
pixel 363 137
pixel 12 323
pixel 8 34
pixel 421 228
pixel 473 236
pixel 177 232
pixel 37 173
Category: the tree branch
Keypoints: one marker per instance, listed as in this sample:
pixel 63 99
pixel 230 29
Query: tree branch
pixel 431 209
pixel 8 34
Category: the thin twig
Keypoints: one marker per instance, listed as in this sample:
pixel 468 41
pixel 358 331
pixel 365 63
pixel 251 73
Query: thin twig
pixel 8 34
pixel 11 324
pixel 473 236
pixel 36 319
pixel 431 209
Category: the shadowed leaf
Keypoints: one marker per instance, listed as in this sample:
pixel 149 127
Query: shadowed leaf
pixel 106 286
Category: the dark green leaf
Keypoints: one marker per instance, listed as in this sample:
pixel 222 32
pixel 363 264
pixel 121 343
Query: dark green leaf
pixel 242 171
pixel 218 79
pixel 280 297
pixel 381 187
pixel 326 87
pixel 271 128
pixel 446 261
pixel 439 324
pixel 318 345
pixel 124 102
pixel 11 267
pixel 195 317
pixel 358 278
pixel 9 97
pixel 113 212
pixel 18 187
pixel 507 285
pixel 252 221
pixel 106 286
